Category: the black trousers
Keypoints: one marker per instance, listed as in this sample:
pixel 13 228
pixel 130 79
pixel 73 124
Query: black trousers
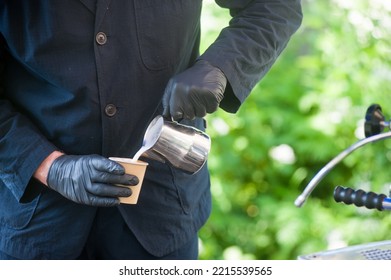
pixel 111 239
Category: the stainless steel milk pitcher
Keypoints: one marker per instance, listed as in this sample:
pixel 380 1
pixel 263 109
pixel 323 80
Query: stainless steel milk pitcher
pixel 184 147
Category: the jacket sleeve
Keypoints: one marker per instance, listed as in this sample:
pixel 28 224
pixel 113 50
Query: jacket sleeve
pixel 22 146
pixel 246 49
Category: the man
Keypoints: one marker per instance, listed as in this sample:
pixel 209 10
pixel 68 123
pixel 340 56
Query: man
pixel 80 81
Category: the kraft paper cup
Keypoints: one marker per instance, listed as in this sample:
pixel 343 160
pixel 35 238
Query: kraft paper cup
pixel 136 168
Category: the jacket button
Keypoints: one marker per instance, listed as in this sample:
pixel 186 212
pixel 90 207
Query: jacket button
pixel 110 110
pixel 101 38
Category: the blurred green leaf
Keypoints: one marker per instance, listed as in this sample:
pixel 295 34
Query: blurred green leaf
pixel 307 109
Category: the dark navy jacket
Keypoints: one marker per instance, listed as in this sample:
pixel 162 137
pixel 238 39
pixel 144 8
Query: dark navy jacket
pixel 86 77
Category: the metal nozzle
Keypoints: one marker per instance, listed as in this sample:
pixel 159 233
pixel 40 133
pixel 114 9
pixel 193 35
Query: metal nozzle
pixel 326 169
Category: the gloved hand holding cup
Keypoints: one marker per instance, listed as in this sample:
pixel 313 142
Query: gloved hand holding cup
pixel 90 180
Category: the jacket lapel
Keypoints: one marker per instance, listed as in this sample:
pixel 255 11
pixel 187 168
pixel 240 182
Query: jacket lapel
pixel 90 4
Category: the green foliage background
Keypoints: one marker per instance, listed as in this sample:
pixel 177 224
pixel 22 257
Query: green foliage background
pixel 308 108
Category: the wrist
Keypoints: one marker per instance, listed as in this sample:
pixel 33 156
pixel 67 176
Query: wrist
pixel 41 174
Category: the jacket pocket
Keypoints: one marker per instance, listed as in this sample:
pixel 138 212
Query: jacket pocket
pixel 191 187
pixel 13 214
pixel 166 30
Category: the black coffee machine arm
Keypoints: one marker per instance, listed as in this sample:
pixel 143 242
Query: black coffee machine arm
pixel 374 124
pixel 361 198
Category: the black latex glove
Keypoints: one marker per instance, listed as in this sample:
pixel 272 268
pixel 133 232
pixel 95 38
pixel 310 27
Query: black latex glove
pixel 194 92
pixel 90 180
